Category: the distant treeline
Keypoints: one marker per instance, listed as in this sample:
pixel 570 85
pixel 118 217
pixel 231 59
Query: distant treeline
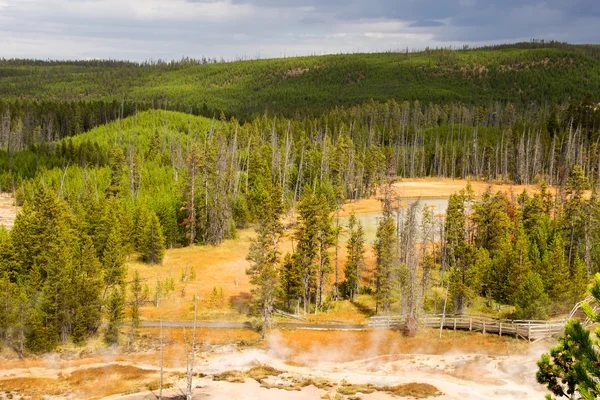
pixel 521 74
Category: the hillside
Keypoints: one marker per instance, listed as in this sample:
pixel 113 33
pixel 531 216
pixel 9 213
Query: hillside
pixel 521 73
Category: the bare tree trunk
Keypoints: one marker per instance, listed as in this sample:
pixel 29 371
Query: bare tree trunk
pixel 160 388
pixel 444 313
pixel 190 370
pixel 337 250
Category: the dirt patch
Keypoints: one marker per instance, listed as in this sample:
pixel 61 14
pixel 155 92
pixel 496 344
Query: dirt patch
pixel 295 72
pixel 8 210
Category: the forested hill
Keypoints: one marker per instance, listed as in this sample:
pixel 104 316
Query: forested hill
pixel 522 73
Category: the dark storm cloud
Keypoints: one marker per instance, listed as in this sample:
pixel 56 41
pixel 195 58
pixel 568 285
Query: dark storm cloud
pixel 141 29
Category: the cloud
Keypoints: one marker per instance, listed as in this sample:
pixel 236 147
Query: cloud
pixel 169 29
pixel 425 23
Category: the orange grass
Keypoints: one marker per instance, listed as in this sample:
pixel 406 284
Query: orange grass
pixel 109 380
pixel 339 346
pixel 208 336
pixel 90 383
pixel 219 267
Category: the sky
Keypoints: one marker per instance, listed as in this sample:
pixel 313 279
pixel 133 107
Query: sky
pixel 142 30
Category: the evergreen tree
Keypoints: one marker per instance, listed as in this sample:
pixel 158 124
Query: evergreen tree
pixel 194 166
pixel 520 265
pixel 113 261
pixel 460 253
pixel 117 167
pixel 35 227
pixel 386 273
pixel 14 310
pixel 152 241
pixel 574 215
pixel 326 239
pixel 136 290
pixel 291 280
pixel 531 300
pixel 578 282
pixel 264 257
pixel 356 255
pixel 491 220
pixel 571 367
pixel 497 281
pixel 556 275
pixel 307 250
pixel 115 311
pixel 88 283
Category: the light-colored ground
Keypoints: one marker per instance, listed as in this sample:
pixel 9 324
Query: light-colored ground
pixel 8 210
pixel 433 188
pixel 460 365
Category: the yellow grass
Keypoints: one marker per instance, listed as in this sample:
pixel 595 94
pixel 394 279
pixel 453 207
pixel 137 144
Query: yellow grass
pixel 224 267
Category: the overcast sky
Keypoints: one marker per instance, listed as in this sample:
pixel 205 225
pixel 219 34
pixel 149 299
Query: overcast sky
pixel 169 29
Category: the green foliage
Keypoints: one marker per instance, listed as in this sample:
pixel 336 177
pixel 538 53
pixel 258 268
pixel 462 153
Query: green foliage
pixel 115 312
pixel 531 300
pixel 573 366
pixel 386 275
pixel 99 179
pixel 518 73
pixel 264 256
pixel 136 290
pixel 290 280
pixel 89 284
pixel 152 241
pixel 355 257
pixel 315 236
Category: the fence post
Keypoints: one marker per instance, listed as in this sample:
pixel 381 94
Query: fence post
pixel 454 323
pixel 484 326
pixel 500 328
pixel 529 331
pixel 471 324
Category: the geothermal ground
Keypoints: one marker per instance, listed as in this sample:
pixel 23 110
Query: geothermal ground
pixel 235 364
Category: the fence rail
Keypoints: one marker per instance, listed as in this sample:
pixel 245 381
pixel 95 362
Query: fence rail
pixel 530 330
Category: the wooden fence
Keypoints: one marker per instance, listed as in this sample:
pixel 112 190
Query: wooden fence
pixel 530 330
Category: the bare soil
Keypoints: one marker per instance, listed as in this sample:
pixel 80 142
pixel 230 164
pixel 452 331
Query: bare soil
pixel 290 364
pixel 8 210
